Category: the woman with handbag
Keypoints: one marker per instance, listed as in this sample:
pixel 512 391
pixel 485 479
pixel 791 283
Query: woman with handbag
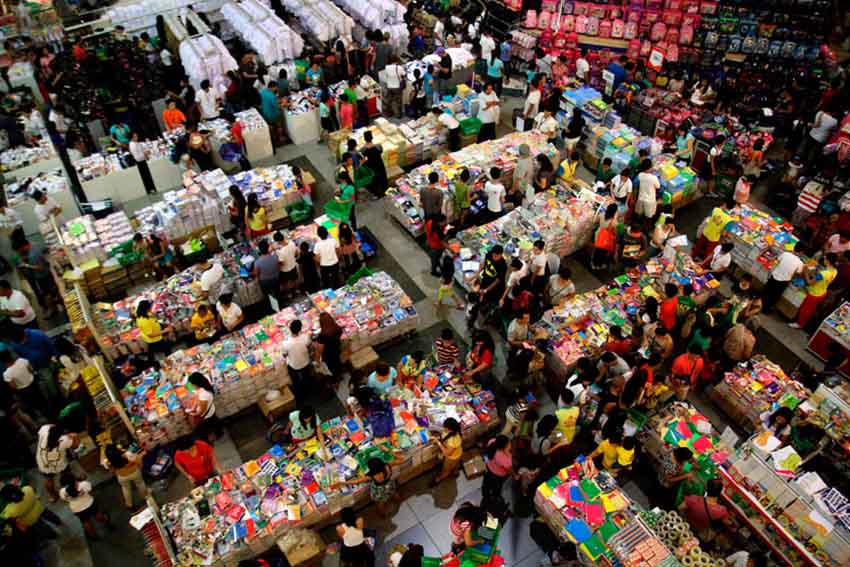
pixel 202 408
pixel 686 369
pixel 51 455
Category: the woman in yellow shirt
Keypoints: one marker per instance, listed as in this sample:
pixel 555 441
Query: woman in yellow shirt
pixel 608 449
pixel 817 284
pixel 150 329
pixel 255 217
pixel 451 446
pixel 204 323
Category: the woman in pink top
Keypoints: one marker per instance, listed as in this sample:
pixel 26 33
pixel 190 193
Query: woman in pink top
pixel 499 467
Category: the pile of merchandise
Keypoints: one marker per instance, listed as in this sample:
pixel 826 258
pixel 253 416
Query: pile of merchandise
pixel 273 40
pixel 680 425
pixel 248 507
pixel 403 200
pixel 563 219
pixel 675 532
pixel 18 192
pixel 183 212
pixel 371 311
pixel 579 326
pixel 98 165
pixel 22 156
pixel 621 144
pixel 798 515
pixel 175 299
pixel 86 239
pixel 322 19
pixel 667 106
pixel 679 183
pixel 587 508
pixel 384 15
pixel 759 240
pixel 589 100
pixel 837 325
pixel 205 57
pixel 754 387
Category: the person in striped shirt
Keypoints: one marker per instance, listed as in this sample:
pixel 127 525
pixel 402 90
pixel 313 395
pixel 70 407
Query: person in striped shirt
pixel 446 349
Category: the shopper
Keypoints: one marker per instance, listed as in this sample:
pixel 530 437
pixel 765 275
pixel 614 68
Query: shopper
pixel 712 231
pixel 127 468
pixel 817 283
pixel 382 378
pixel 328 345
pixel 394 75
pixel 373 159
pixel 488 112
pixel 202 409
pixel 15 305
pixel 450 443
pixel 24 509
pixel 462 199
pixel 445 120
pixel 687 367
pixel 51 455
pixel 605 239
pixel 298 359
pixel 466 521
pixel 77 494
pixel 229 312
pixel 255 217
pixel 444 73
pixel 705 514
pixel 354 551
pixel 446 349
pixel 309 269
pixel 327 259
pixel 495 70
pixel 491 276
pixel 267 271
pixel 499 462
pixel 204 324
pixel 208 101
pixel 719 261
pixel 382 487
pixel 648 185
pixel 495 192
pixel 196 460
pixel 435 235
pixel 431 197
pixel 532 104
pixel 820 131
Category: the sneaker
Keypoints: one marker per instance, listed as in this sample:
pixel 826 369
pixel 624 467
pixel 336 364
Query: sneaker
pixel 795 325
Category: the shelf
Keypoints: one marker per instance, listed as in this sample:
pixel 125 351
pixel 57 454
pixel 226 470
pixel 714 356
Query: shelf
pixel 609 42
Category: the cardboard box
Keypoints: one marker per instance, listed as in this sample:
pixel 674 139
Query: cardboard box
pixel 278 408
pixel 364 359
pixel 474 467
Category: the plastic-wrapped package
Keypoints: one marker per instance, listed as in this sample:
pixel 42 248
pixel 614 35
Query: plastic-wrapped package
pixel 384 15
pixel 267 33
pixel 321 18
pixel 206 57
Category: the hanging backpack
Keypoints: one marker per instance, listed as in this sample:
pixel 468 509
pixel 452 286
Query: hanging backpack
pixel 543 20
pixel 531 19
pixel 630 31
pixel 593 25
pixel 581 24
pixel 659 30
pixel 618 29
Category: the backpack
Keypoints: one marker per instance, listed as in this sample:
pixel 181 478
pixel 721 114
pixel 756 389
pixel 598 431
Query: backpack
pixel 606 239
pixel 381 417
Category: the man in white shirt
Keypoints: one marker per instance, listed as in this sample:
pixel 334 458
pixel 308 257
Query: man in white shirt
pixel 210 280
pixel 393 75
pixel 621 186
pixel 45 207
pixel 488 113
pixel 297 352
pixel 787 268
pixel 648 183
pixel 721 259
pixel 137 150
pixel 286 254
pixel 207 99
pixel 519 270
pixel 326 256
pixel 439 30
pixel 539 262
pixel 547 124
pixel 532 103
pixel 487 46
pixel 495 192
pixel 582 66
pixel 450 123
pixel 18 375
pixel 57 116
pixel 15 305
pixel 229 312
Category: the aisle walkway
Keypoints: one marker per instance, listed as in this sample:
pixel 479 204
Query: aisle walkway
pixel 424 514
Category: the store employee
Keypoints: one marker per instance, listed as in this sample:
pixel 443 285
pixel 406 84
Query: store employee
pixel 449 122
pixel 150 329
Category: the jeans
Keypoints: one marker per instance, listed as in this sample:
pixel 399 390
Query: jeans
pixel 772 293
pixel 435 254
pixel 300 379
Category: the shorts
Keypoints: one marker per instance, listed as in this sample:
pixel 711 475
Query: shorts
pixel 446 291
pixel 87 514
pixel 290 276
pixel 645 208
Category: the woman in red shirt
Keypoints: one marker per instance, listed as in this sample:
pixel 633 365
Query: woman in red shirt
pixel 669 307
pixel 480 358
pixel 196 460
pixel 686 369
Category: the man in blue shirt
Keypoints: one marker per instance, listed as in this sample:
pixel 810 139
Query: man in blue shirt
pixel 32 344
pixel 618 70
pixel 270 109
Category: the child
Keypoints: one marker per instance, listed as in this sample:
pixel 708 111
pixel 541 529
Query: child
pixel 80 501
pixel 625 455
pixel 451 446
pixel 742 189
pixel 608 450
pixel 447 289
pixel 473 309
pixel 382 487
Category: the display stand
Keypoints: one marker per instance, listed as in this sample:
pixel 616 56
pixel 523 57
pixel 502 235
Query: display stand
pixel 166 175
pixel 156 537
pixel 832 330
pixel 38 167
pixel 121 186
pixel 776 508
pixel 304 127
pixel 258 144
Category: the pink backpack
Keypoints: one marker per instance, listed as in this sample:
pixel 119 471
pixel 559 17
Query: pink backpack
pixel 572 40
pixel 581 9
pixel 568 23
pixel 555 24
pixel 671 17
pixel 605 28
pixel 631 30
pixel 543 20
pixel 549 5
pixel 659 30
pixel 592 25
pixel 531 19
pixel 633 15
pixel 673 4
pixel 581 24
pixel 645 47
pixel 672 35
pixel 672 52
pixel 618 28
pixel 633 50
pixel 686 34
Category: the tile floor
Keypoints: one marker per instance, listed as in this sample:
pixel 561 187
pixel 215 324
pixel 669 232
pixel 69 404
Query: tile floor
pixel 424 513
